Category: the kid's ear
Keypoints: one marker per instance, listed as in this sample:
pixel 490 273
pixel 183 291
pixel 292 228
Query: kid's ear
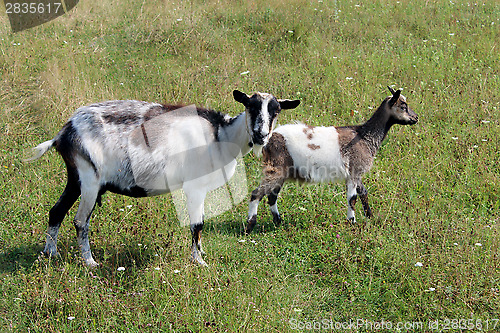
pixel 394 99
pixel 288 104
pixel 240 97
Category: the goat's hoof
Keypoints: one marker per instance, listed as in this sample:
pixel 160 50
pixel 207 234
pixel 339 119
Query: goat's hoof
pixel 248 230
pixel 351 219
pixel 250 224
pixel 197 256
pixel 91 263
pixel 276 219
pixel 197 259
pixel 50 251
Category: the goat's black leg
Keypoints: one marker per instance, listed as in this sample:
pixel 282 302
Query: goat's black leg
pixel 351 200
pixel 196 250
pixel 195 206
pixel 272 200
pixel 363 195
pixel 270 186
pixel 196 230
pixel 253 207
pixel 59 211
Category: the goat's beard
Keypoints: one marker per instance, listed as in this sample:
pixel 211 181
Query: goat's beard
pixel 257 150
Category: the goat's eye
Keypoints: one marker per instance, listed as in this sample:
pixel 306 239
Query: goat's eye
pixel 254 106
pixel 273 112
pixel 273 108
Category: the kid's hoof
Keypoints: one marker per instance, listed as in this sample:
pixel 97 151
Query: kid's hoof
pixel 250 224
pixel 276 219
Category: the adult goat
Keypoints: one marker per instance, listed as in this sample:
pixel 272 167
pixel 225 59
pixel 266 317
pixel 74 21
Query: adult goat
pixel 143 149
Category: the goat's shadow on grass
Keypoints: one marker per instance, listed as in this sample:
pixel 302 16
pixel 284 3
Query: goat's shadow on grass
pixel 291 222
pixel 129 255
pixel 237 228
pixel 227 228
pixel 18 258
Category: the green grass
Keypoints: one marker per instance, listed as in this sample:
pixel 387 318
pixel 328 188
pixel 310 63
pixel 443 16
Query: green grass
pixel 433 188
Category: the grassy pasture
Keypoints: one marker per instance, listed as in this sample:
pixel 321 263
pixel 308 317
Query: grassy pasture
pixel 433 188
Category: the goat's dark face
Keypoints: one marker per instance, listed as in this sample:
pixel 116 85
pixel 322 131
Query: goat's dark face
pixel 399 110
pixel 261 113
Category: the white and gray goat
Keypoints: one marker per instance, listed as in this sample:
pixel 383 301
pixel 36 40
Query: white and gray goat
pixel 327 154
pixel 142 149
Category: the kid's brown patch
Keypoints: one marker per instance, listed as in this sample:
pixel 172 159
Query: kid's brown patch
pixel 308 131
pixel 312 146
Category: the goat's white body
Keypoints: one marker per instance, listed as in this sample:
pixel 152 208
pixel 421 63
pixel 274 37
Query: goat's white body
pixel 315 152
pixel 186 153
pixel 180 149
pixel 172 151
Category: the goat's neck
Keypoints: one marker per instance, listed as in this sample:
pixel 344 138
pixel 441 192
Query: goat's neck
pixel 236 132
pixel 375 129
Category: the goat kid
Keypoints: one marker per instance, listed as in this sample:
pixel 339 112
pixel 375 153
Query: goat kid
pixel 143 149
pixel 327 154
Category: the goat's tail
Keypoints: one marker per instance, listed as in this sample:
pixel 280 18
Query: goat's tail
pixel 39 150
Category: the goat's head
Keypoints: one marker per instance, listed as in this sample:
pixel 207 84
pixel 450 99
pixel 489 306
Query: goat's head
pixel 261 113
pixel 399 110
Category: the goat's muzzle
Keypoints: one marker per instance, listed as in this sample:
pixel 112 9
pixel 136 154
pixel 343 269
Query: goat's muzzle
pixel 259 140
pixel 413 117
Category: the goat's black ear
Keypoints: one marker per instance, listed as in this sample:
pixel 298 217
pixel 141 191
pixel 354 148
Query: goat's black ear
pixel 288 104
pixel 391 90
pixel 394 99
pixel 240 97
